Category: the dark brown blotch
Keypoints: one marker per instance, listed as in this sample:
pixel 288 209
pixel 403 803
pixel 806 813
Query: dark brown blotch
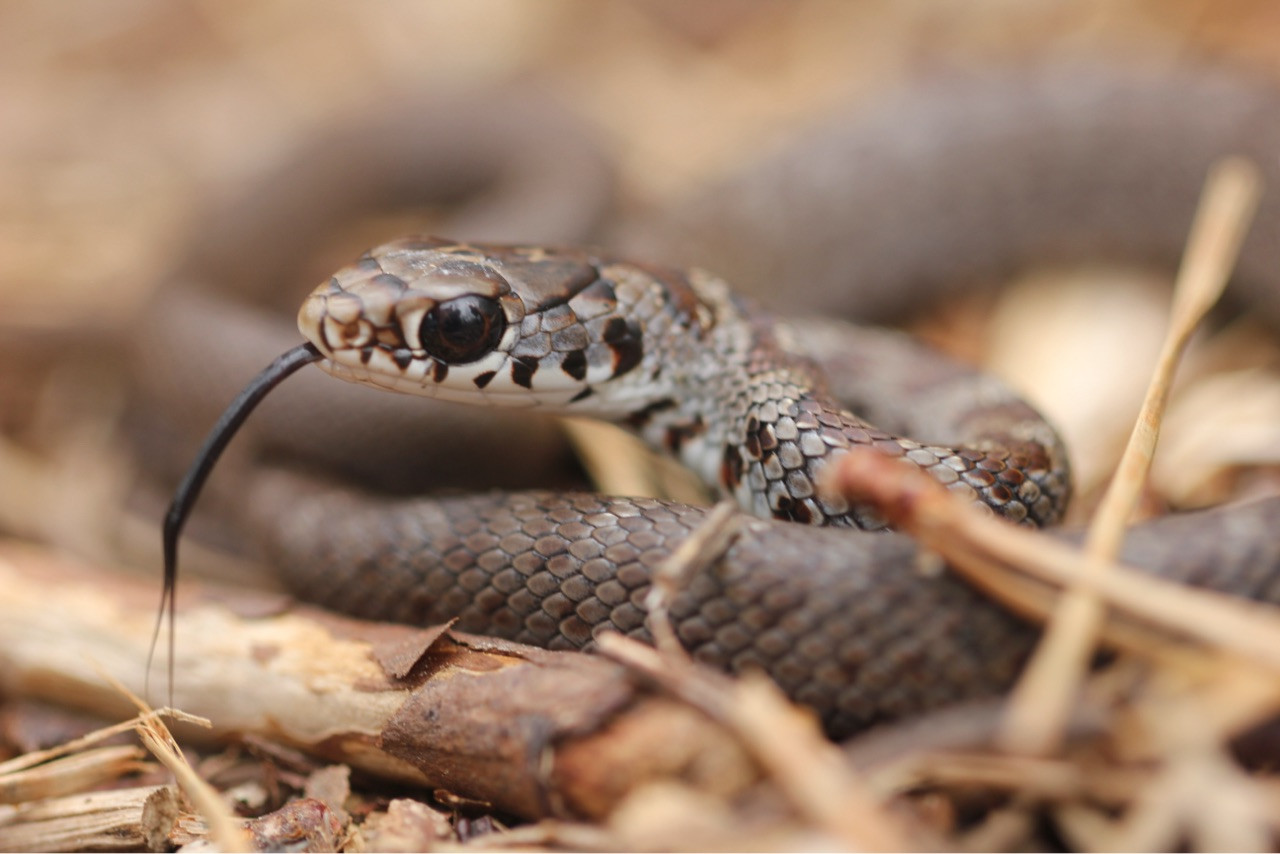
pixel 522 371
pixel 768 439
pixel 439 370
pixel 751 441
pixel 484 379
pixel 574 364
pixel 731 467
pixel 1012 476
pixel 643 416
pixel 678 434
pixel 625 341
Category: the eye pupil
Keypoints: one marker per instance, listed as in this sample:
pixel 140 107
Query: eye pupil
pixel 463 330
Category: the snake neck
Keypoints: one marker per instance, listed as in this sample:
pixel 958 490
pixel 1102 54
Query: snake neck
pixel 755 420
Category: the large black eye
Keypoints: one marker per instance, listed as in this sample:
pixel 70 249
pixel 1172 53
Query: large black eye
pixel 462 330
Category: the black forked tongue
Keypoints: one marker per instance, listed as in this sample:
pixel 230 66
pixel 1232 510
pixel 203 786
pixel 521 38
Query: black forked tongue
pixel 189 489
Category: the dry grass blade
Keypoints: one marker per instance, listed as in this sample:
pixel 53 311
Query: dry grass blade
pixel 614 460
pixel 705 545
pixel 809 770
pixel 1147 612
pixel 1040 703
pixel 619 463
pixel 1028 776
pixel 224 830
pixel 39 757
pixel 76 773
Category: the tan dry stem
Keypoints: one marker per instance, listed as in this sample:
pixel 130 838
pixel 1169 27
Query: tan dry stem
pixel 785 740
pixel 1041 701
pixel 1148 612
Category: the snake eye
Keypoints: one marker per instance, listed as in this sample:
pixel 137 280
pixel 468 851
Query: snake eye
pixel 462 330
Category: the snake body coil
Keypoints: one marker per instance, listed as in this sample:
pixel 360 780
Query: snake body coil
pixel 860 627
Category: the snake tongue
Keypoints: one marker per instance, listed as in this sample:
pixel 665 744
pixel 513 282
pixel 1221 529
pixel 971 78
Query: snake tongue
pixel 184 498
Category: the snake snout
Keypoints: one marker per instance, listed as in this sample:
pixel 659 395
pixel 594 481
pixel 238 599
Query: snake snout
pixel 487 324
pixel 311 322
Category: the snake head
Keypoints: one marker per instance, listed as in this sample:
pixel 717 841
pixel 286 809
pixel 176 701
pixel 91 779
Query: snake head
pixel 503 325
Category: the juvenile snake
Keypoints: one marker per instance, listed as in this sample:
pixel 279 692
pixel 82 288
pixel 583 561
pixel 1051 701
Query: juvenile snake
pixel 842 620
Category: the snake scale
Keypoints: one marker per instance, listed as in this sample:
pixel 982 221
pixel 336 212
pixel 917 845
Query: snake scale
pixel 846 622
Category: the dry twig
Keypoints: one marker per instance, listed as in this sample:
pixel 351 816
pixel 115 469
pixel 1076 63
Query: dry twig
pixel 1041 700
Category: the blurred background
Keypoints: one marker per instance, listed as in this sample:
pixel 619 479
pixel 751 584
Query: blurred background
pixel 121 117
pixel 120 120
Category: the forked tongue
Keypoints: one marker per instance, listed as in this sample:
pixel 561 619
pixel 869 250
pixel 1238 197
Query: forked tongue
pixel 184 498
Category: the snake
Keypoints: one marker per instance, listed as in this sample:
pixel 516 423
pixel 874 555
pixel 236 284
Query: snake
pixel 848 619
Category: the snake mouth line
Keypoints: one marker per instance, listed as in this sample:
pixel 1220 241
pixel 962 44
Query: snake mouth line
pixel 423 386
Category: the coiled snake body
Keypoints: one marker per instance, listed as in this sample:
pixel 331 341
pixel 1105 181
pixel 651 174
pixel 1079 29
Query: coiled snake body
pixel 844 621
